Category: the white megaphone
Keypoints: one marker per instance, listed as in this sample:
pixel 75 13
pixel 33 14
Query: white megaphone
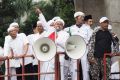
pixel 44 49
pixel 75 47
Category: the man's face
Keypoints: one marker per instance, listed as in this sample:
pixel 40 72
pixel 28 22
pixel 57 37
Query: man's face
pixel 17 28
pixel 13 33
pixel 39 28
pixel 90 22
pixel 79 19
pixel 52 24
pixel 35 30
pixel 104 25
pixel 58 26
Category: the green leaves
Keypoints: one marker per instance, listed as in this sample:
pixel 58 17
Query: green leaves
pixel 22 6
pixel 12 10
pixel 66 11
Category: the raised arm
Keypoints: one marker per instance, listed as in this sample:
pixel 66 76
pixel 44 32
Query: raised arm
pixel 42 18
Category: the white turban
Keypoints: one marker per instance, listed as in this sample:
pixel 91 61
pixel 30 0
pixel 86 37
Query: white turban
pixel 103 19
pixel 10 29
pixel 60 20
pixel 39 22
pixel 14 24
pixel 50 22
pixel 55 18
pixel 79 14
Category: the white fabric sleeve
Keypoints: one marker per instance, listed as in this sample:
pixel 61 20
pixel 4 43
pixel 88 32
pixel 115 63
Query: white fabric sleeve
pixel 6 46
pixel 62 37
pixel 25 40
pixel 44 22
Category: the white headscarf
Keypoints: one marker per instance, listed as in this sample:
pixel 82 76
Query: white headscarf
pixel 79 13
pixel 14 24
pixel 60 20
pixel 10 29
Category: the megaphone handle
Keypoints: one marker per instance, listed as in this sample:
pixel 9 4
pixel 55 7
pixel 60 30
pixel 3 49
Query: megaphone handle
pixel 66 57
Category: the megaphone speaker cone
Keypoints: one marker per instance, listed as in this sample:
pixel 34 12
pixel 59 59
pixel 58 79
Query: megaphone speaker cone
pixel 44 49
pixel 75 47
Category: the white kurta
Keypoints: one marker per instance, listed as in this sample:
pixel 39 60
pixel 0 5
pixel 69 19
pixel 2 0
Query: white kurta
pixel 27 60
pixel 73 30
pixel 32 38
pixel 17 45
pixel 60 42
pixel 87 33
pixel 9 43
pixel 12 70
pixel 115 67
pixel 84 31
pixel 6 46
pixel 62 36
pixel 45 66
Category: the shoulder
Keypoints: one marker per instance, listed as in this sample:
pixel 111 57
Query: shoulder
pixel 67 28
pixel 30 36
pixel 62 32
pixel 45 33
pixel 21 34
pixel 8 37
pixel 85 26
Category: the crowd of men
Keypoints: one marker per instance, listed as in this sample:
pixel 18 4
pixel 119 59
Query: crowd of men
pixel 99 41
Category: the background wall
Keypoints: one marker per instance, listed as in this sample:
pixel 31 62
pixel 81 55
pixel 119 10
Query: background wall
pixel 99 8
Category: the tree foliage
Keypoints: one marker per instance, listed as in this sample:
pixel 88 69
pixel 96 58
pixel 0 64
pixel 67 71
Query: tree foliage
pixel 48 10
pixel 61 8
pixel 12 10
pixel 66 11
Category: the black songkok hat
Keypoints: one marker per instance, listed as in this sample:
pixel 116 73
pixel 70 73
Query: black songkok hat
pixel 87 17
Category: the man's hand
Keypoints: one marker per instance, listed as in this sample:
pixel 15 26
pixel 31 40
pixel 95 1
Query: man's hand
pixel 92 61
pixel 37 10
pixel 10 56
pixel 23 55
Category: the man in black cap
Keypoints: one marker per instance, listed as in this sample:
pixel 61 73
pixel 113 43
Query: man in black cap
pixel 88 20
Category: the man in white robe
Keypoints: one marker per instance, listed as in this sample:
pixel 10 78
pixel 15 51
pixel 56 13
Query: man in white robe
pixel 87 31
pixel 61 37
pixel 76 30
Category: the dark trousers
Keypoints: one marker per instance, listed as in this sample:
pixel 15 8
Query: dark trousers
pixel 28 69
pixel 81 73
pixel 35 70
pixel 1 73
